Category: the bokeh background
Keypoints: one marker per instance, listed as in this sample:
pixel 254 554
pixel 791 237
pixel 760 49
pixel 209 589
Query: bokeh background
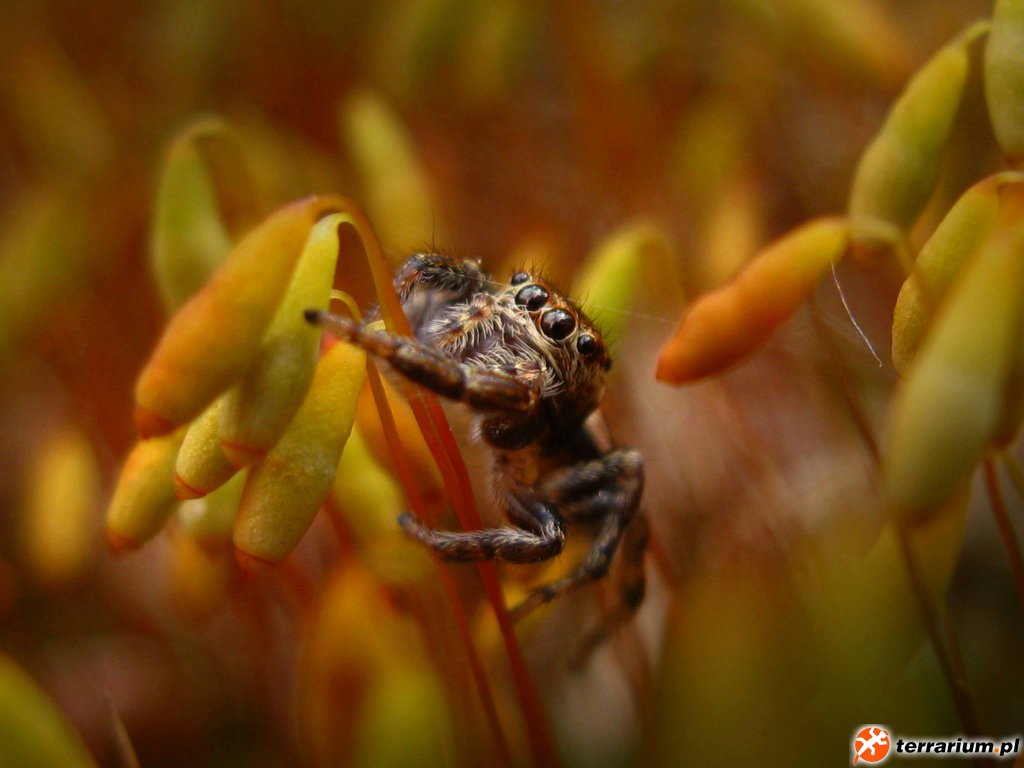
pixel 518 132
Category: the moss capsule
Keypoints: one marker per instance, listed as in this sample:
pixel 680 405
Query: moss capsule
pixel 258 408
pixel 286 488
pixel 214 337
pixel 724 326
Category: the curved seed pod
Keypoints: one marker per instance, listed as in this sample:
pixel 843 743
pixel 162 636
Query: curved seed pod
pixel 611 274
pixel 211 519
pixel 897 171
pixel 363 493
pixel 968 222
pixel 201 466
pixel 726 325
pixel 61 510
pixel 189 238
pixel 144 497
pixel 398 196
pixel 949 408
pixel 258 408
pixel 284 491
pixel 1004 77
pixel 214 338
pixel 33 733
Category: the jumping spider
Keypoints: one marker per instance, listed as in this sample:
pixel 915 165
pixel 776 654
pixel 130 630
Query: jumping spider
pixel 531 366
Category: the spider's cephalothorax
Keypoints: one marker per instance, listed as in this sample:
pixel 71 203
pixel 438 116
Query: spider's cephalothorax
pixel 531 366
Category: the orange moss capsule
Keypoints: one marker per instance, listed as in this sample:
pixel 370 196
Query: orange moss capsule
pixel 724 326
pixel 284 491
pixel 201 466
pixel 897 171
pixel 144 497
pixel 258 408
pixel 1004 78
pixel 213 338
pixel 949 409
pixel 966 225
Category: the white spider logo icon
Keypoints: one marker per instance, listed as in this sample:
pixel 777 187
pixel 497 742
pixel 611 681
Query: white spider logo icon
pixel 867 742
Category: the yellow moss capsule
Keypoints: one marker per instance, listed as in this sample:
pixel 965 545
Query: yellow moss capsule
pixel 363 493
pixel 61 122
pixel 46 247
pixel 398 196
pixel 732 229
pixel 214 337
pixel 728 324
pixel 284 491
pixel 897 171
pixel 612 273
pixel 950 406
pixel 1004 77
pixel 258 408
pixel 144 496
pixel 968 222
pixel 189 238
pixel 201 466
pixel 33 733
pixel 859 595
pixel 862 37
pixel 368 658
pixel 61 510
pixel 211 519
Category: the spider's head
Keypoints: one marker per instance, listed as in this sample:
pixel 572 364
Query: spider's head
pixel 562 333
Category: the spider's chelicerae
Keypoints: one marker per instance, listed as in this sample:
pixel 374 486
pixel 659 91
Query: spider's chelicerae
pixel 531 366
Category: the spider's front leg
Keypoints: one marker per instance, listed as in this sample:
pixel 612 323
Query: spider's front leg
pixel 481 388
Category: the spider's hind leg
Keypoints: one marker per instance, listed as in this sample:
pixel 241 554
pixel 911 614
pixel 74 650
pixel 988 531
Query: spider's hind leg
pixel 608 490
pixel 537 533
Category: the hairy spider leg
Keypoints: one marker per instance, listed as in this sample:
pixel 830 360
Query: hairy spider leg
pixel 606 489
pixel 431 270
pixel 540 531
pixel 479 387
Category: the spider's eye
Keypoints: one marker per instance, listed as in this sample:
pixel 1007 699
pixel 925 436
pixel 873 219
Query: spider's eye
pixel 586 344
pixel 557 324
pixel 519 277
pixel 532 297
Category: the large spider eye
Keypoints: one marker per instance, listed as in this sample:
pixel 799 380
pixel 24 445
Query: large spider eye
pixel 557 324
pixel 519 277
pixel 586 344
pixel 532 297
